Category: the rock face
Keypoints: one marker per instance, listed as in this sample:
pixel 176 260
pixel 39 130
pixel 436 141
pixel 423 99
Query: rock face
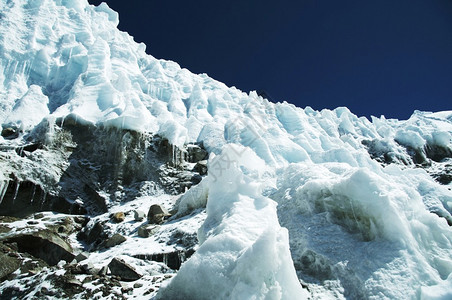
pixel 122 269
pixel 115 240
pixel 45 245
pixel 93 235
pixel 8 265
pixel 196 153
pixel 84 169
pixel 157 214
pixel 147 230
pixel 201 167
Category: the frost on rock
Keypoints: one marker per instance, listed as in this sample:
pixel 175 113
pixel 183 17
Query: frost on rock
pixel 244 252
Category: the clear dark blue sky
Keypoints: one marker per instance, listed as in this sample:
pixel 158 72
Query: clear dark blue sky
pixel 376 57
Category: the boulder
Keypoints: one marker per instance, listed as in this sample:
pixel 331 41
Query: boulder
pixel 94 234
pixel 8 265
pixel 10 133
pixel 196 153
pixel 89 268
pixel 81 256
pixel 147 230
pixel 118 217
pixel 114 240
pixel 201 167
pixel 126 272
pixel 139 215
pixel 45 245
pixel 103 271
pixel 157 214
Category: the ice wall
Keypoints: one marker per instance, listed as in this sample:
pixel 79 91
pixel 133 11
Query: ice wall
pixel 244 253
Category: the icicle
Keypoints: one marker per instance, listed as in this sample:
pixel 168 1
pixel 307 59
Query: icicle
pixel 172 158
pixel 354 216
pixel 43 199
pixel 21 150
pixel 3 188
pixel 15 68
pixel 30 67
pixel 6 67
pixel 181 255
pixel 165 258
pixel 27 70
pixel 16 191
pixel 33 193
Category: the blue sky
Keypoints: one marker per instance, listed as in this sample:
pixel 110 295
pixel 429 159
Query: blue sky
pixel 382 57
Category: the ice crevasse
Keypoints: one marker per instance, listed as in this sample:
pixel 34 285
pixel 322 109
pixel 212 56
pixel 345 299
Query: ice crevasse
pixel 363 227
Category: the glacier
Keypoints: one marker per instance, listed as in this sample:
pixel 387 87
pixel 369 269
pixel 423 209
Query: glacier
pixel 296 203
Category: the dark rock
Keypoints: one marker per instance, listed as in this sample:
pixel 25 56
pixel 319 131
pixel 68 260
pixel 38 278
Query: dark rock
pixel 81 220
pixel 201 167
pixel 183 239
pixel 67 284
pixel 31 265
pixel 196 153
pixel 8 219
pixel 157 214
pixel 38 215
pixel 74 282
pixel 96 200
pixel 4 228
pixel 94 234
pixel 195 179
pixel 147 230
pixel 139 215
pixel 126 272
pixel 118 217
pixel 32 147
pixel 24 197
pixel 9 247
pixel 173 260
pixel 10 133
pixel 23 151
pixel 114 240
pixel 137 285
pixel 103 271
pixel 437 152
pixel 44 244
pixel 8 265
pixel 89 268
pixel 443 178
pixel 125 289
pixel 48 292
pixel 75 269
pixel 81 256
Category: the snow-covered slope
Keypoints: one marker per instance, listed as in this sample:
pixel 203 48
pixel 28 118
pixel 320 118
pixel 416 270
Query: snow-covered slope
pixel 365 216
